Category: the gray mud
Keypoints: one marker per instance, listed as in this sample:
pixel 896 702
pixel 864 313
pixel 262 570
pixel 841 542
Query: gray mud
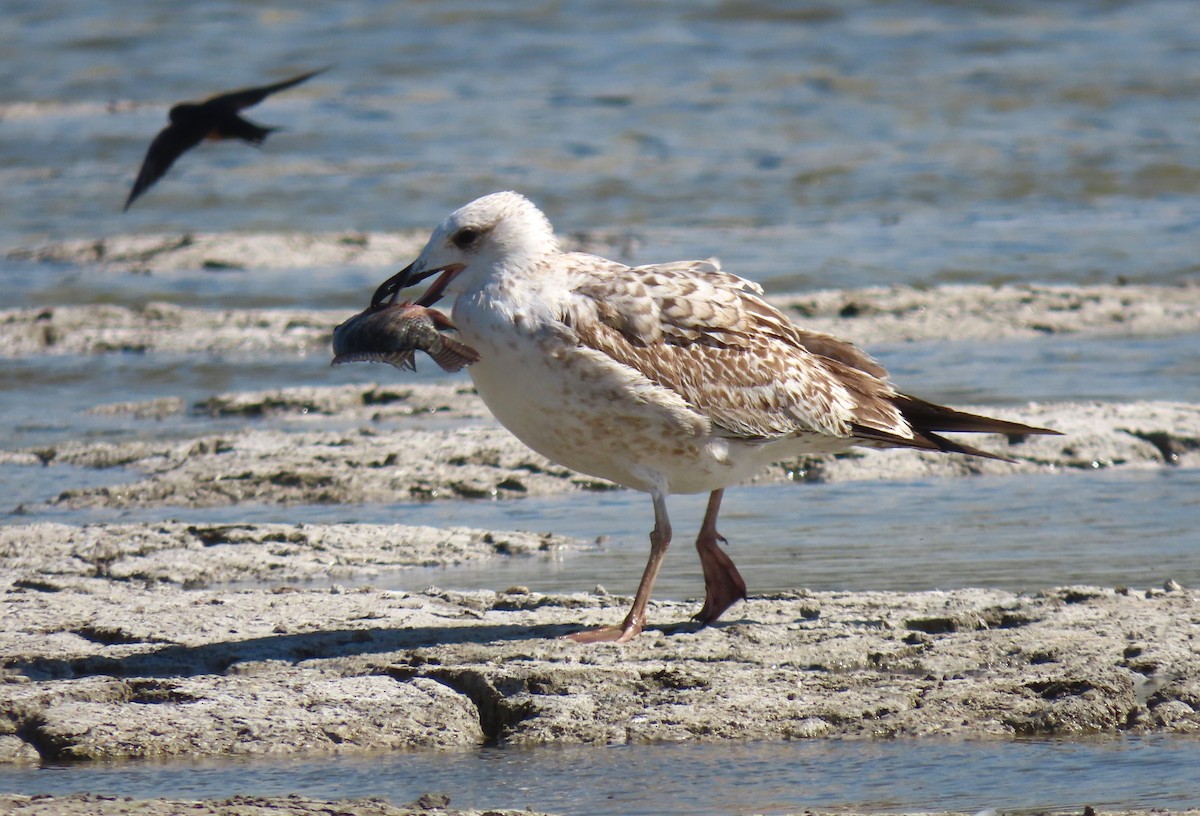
pixel 193 555
pixel 94 805
pixel 105 668
pixel 382 458
pixel 87 804
pixel 116 645
pixel 160 254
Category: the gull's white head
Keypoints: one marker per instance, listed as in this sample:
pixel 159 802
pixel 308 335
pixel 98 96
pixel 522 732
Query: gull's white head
pixel 496 232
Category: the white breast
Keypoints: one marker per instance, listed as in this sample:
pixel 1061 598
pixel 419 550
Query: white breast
pixel 582 410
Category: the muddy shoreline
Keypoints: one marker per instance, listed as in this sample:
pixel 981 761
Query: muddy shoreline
pixel 425 442
pixel 865 316
pixel 94 805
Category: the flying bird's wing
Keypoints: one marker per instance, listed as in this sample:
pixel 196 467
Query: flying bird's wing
pixel 170 143
pixel 248 97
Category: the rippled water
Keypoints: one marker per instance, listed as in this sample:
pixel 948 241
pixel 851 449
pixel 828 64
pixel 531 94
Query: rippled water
pixel 848 143
pixel 697 780
pixel 807 146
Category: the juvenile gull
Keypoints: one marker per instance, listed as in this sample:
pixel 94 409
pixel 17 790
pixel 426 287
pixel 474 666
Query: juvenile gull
pixel 668 378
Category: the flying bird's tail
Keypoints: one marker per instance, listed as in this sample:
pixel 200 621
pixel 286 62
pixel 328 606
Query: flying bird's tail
pixel 238 128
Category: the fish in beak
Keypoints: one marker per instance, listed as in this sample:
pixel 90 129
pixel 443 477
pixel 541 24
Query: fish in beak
pixel 390 289
pixel 392 332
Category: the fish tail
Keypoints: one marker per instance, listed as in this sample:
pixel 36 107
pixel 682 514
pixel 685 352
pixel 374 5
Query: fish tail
pixel 452 355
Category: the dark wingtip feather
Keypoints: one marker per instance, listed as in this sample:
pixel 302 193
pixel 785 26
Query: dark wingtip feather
pixel 929 416
pixel 928 420
pixel 949 446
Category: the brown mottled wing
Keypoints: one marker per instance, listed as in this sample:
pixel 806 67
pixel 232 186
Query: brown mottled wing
pixel 700 332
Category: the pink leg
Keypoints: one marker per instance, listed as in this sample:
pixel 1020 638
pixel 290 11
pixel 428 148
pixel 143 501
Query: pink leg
pixel 660 539
pixel 723 585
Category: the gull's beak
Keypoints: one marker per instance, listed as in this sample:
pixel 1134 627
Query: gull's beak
pixel 391 287
pixel 406 277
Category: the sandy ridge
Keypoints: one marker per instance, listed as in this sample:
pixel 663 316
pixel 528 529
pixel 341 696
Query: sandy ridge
pixel 90 804
pixel 160 253
pixel 461 453
pixel 865 316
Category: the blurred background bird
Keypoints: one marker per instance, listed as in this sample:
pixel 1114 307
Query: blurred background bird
pixel 214 118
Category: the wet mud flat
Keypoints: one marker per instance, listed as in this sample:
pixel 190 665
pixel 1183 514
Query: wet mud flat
pixel 95 805
pixel 99 669
pixel 99 805
pixel 102 669
pixel 126 640
pixel 865 316
pixel 400 453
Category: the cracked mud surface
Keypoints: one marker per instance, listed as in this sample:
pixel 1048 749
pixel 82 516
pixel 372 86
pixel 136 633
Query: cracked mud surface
pixel 98 668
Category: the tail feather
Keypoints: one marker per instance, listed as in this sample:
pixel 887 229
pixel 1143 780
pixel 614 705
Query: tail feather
pixel 237 127
pixel 926 419
pixel 928 416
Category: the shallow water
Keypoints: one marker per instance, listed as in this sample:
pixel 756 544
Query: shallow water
pixel 696 780
pixel 818 536
pixel 842 145
pixel 1021 534
pixel 848 144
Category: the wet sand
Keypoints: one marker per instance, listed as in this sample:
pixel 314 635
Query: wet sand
pixel 102 668
pixel 95 805
pixel 117 645
pixel 867 315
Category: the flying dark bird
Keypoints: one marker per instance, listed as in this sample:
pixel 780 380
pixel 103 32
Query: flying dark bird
pixel 215 118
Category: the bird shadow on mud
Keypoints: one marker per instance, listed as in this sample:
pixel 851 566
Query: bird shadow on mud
pixel 176 660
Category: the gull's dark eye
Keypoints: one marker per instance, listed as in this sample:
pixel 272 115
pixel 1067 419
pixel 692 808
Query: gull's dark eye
pixel 465 237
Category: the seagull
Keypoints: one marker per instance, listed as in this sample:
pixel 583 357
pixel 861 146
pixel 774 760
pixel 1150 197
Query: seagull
pixel 214 118
pixel 667 378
